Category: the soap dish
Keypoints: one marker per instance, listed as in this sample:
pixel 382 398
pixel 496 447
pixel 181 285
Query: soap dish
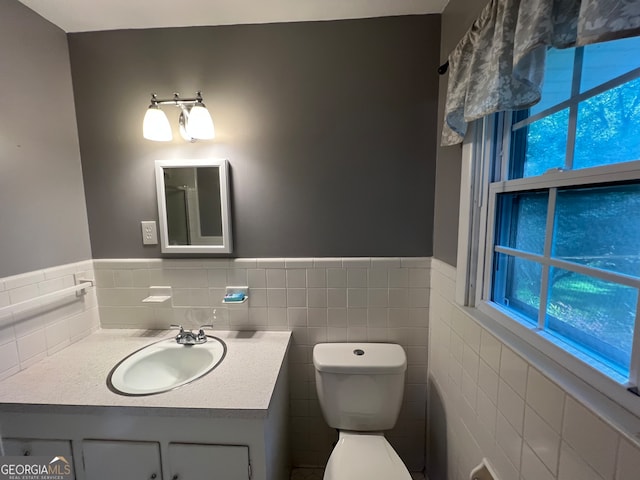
pixel 234 302
pixel 236 295
pixel 158 295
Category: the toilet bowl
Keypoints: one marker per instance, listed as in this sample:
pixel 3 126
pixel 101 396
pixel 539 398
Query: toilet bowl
pixel 360 388
pixel 364 456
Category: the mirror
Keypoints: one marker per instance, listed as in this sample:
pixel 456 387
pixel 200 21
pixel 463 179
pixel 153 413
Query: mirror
pixel 193 206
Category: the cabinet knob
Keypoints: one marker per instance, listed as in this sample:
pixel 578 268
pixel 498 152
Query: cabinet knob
pixel 175 477
pixel 26 453
pixel 153 475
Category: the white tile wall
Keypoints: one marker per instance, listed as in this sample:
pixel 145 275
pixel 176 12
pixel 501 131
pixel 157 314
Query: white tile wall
pixel 28 335
pixel 318 299
pixel 529 427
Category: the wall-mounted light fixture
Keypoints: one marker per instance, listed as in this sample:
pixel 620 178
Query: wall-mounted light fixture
pixel 195 120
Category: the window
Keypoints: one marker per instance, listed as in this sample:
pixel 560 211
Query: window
pixel 560 230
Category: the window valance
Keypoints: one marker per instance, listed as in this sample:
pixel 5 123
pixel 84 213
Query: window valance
pixel 498 65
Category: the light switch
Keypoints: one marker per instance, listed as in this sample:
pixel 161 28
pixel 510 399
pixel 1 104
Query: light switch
pixel 149 232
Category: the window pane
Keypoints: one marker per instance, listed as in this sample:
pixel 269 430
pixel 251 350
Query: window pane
pixel 608 126
pixel 595 316
pixel 558 74
pixel 599 227
pixel 605 61
pixel 540 146
pixel 516 286
pixel 522 221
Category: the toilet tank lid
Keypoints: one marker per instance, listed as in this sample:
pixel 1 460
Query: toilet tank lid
pixel 359 358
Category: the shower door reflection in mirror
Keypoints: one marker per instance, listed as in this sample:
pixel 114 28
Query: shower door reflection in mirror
pixel 193 206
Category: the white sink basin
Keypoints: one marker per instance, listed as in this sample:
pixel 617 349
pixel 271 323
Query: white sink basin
pixel 165 365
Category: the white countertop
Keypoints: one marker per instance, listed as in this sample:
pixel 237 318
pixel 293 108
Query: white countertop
pixel 240 387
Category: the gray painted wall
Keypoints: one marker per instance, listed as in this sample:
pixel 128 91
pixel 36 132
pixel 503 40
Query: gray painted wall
pixel 43 219
pixel 456 20
pixel 329 127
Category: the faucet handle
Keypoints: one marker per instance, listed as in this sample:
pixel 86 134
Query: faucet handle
pixel 201 334
pixel 181 333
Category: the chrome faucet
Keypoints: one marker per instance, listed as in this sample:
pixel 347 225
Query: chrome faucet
pixel 187 337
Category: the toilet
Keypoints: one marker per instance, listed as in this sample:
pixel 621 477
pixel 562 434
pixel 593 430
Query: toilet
pixel 360 388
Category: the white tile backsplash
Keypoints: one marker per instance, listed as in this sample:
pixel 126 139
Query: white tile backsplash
pixel 573 467
pixel 32 345
pixel 337 317
pixel 327 262
pixel 357 297
pixel 296 297
pixel 488 381
pixel 244 263
pixel 509 440
pixel 542 439
pixel 23 280
pixel 336 297
pixel 546 398
pixel 217 277
pixel 494 403
pixel 490 350
pixel 357 278
pixel 514 371
pixel 379 277
pixel 318 299
pixel 297 278
pixel 336 278
pixel 511 405
pixel 532 467
pixel 628 461
pixel 9 356
pixel 276 278
pixel 399 278
pixel 44 327
pixel 528 426
pixel 590 437
pixel 385 263
pixel 271 263
pixel 355 262
pixel 317 278
pixel 298 263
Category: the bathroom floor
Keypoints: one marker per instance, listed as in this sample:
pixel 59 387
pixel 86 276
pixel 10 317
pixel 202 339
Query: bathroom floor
pixel 316 474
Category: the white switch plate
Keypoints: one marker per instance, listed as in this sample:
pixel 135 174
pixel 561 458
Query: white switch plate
pixel 149 232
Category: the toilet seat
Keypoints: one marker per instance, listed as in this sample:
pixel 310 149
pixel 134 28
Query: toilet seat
pixel 364 456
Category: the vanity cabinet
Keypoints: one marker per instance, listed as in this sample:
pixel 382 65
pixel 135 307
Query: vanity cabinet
pixel 229 425
pixel 109 460
pixel 123 460
pixel 31 447
pixel 208 462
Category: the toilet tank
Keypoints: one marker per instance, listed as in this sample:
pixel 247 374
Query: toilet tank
pixel 360 385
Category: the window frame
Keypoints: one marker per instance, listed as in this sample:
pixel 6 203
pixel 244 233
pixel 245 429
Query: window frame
pixel 489 139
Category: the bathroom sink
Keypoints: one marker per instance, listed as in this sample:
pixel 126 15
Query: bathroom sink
pixel 165 365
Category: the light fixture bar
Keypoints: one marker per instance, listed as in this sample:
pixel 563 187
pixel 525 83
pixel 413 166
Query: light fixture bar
pixel 176 100
pixel 195 120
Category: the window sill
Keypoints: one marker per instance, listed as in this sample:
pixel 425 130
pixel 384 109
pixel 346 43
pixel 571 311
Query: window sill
pixel 614 413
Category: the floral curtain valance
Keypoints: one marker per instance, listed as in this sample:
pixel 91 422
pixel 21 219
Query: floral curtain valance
pixel 498 65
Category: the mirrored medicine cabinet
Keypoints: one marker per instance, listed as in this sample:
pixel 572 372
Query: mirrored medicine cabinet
pixel 193 206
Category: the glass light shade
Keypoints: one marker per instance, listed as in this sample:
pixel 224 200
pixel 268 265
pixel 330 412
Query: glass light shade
pixel 199 124
pixel 156 125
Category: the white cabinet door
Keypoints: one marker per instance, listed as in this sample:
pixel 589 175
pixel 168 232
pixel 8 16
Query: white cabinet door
pixel 119 460
pixel 30 447
pixel 208 462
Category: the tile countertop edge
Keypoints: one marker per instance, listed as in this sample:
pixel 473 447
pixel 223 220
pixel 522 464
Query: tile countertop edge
pixel 74 379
